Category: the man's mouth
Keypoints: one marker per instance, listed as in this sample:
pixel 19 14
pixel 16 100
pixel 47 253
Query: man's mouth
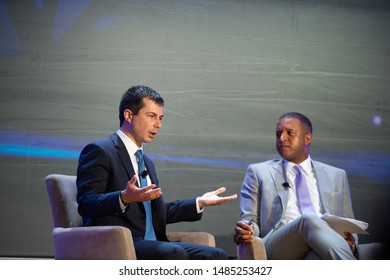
pixel 284 146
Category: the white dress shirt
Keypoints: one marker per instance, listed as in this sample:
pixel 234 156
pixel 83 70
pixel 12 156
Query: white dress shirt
pixel 293 210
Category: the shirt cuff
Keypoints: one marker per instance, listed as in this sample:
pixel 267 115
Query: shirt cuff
pixel 198 210
pixel 122 206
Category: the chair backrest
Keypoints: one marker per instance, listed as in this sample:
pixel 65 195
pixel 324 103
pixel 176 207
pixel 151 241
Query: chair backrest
pixel 62 192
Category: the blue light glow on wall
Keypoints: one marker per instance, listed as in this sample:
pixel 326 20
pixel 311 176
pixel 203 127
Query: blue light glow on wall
pixel 39 4
pixel 15 150
pixel 22 144
pixel 68 11
pixel 9 41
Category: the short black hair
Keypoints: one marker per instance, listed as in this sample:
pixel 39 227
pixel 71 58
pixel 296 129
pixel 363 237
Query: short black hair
pixel 302 118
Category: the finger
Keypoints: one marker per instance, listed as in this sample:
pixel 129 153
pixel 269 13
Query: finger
pixel 132 181
pixel 153 194
pixel 239 238
pixel 232 197
pixel 348 236
pixel 247 238
pixel 153 191
pixel 238 227
pixel 220 190
pixel 243 228
pixel 152 186
pixel 242 224
pixel 243 237
pixel 226 199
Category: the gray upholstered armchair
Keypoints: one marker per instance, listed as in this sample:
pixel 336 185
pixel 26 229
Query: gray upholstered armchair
pixel 252 251
pixel 73 241
pixel 256 251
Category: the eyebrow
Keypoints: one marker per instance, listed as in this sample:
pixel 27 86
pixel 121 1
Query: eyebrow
pixel 288 129
pixel 153 113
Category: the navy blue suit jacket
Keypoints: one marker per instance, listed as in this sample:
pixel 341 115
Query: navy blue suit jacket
pixel 103 172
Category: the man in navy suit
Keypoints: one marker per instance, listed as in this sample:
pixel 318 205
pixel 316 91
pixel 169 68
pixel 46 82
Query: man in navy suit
pixel 268 196
pixel 108 183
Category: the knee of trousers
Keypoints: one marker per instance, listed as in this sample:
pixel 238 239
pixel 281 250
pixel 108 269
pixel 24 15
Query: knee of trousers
pixel 311 220
pixel 219 254
pixel 176 252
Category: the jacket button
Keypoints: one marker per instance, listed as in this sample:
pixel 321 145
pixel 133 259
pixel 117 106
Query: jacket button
pixel 143 221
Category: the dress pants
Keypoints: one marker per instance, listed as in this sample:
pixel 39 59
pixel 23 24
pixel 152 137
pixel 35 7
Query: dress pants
pixel 163 250
pixel 307 237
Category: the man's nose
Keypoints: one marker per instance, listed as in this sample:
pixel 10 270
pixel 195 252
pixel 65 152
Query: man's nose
pixel 158 123
pixel 283 136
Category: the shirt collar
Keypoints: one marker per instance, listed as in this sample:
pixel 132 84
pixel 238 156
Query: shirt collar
pixel 306 165
pixel 131 147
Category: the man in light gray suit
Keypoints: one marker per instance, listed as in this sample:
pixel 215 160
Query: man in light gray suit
pixel 269 197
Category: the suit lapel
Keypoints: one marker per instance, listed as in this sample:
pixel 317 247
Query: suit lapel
pixel 123 154
pixel 279 178
pixel 323 184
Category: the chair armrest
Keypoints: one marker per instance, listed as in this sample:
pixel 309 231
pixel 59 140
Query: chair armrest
pixel 93 243
pixel 372 251
pixel 252 251
pixel 194 237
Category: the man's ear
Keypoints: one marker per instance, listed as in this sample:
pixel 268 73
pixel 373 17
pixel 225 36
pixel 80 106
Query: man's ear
pixel 308 138
pixel 128 115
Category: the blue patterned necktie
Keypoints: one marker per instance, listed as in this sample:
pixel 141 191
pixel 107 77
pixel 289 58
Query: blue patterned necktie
pixel 303 194
pixel 149 231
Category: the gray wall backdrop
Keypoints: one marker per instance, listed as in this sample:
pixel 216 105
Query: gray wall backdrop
pixel 227 70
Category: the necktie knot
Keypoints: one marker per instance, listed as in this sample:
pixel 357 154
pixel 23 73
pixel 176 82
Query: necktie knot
pixel 138 155
pixel 298 168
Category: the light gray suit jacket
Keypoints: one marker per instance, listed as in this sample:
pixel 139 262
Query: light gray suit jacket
pixel 264 198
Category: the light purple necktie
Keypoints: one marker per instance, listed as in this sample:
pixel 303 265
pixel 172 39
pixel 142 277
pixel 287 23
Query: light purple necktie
pixel 302 190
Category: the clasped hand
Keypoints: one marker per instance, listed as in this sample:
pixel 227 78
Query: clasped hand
pixel 350 240
pixel 243 233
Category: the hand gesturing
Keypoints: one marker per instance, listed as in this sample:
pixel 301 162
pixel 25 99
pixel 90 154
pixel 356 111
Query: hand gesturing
pixel 132 193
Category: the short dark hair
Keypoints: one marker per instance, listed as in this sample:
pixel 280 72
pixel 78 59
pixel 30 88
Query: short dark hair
pixel 302 118
pixel 132 99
